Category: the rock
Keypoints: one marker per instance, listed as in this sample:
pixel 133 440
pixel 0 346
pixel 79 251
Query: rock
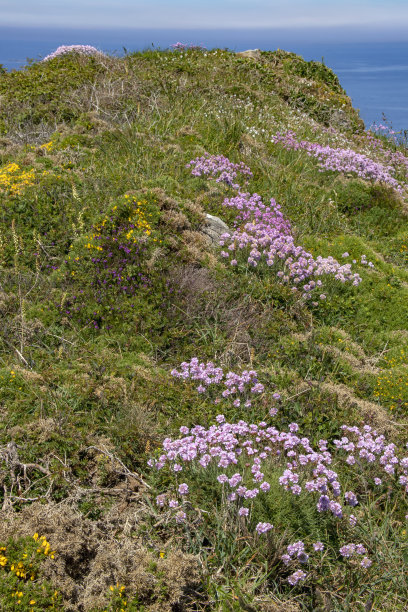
pixel 252 53
pixel 341 120
pixel 214 228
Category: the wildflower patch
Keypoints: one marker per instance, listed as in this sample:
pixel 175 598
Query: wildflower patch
pixel 21 584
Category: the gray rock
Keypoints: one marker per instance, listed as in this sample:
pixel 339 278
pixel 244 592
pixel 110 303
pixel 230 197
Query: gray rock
pixel 252 53
pixel 214 228
pixel 339 119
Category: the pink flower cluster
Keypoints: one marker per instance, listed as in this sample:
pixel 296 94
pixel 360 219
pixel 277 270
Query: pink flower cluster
pixel 367 446
pixel 341 160
pixel 219 168
pixel 179 46
pixel 296 554
pixel 251 448
pixel 266 235
pixel 239 456
pixel 350 550
pixel 81 49
pixel 236 386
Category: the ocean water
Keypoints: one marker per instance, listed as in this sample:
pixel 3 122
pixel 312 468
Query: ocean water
pixel 374 74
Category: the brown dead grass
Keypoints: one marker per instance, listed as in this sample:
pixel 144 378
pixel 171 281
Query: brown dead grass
pixel 91 556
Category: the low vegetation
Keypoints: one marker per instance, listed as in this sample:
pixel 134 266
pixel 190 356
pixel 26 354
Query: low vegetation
pixel 195 418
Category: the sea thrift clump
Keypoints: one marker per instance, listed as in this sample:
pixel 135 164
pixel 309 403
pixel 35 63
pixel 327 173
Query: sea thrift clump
pixel 264 234
pixel 179 46
pixel 341 160
pixel 365 445
pixel 296 577
pixel 263 527
pixel 219 168
pixel 235 460
pixel 237 386
pixel 65 49
pixel 238 455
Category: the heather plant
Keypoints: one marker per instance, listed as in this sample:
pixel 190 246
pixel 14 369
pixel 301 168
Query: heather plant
pixel 107 270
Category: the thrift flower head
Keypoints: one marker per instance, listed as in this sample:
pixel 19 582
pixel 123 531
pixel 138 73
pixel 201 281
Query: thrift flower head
pixel 296 577
pixel 263 527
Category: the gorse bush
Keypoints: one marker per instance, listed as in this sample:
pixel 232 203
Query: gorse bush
pixel 20 568
pixel 109 268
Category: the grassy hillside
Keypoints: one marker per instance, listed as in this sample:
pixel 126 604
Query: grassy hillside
pixel 281 353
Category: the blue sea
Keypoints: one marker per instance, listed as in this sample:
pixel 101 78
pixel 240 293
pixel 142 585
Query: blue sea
pixel 374 74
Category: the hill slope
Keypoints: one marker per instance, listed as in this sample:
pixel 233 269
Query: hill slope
pixel 124 319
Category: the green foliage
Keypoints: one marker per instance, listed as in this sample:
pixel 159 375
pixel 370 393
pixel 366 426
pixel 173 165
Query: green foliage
pixel 21 584
pixel 84 368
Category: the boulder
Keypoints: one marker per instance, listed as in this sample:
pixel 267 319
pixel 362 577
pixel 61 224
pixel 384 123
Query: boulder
pixel 214 228
pixel 252 53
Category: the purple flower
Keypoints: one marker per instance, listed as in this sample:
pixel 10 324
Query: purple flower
pixel 180 517
pixel 65 49
pixel 243 512
pixel 183 489
pixel 296 577
pixel 351 498
pixel 263 527
pixel 347 550
pixel 160 500
pixel 318 546
pixel 366 562
pixel 303 557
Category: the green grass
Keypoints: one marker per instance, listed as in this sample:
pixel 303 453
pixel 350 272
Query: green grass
pixel 129 125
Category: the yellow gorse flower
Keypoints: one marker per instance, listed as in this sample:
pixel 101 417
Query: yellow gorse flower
pixel 13 179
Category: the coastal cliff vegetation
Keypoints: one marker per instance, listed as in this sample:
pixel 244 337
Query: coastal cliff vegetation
pixel 204 337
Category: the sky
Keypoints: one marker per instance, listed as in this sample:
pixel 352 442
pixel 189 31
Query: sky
pixel 190 14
